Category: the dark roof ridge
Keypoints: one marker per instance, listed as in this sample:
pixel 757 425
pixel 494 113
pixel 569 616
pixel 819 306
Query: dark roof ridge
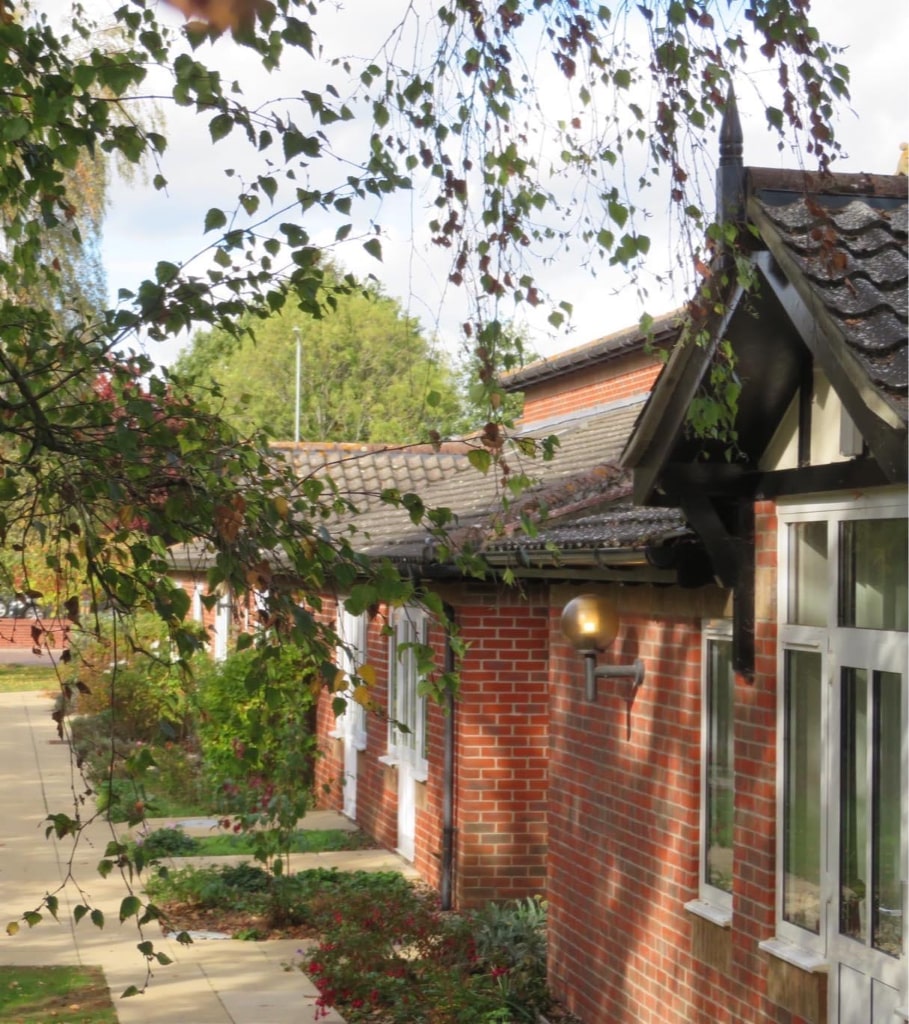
pixel 610 346
pixel 864 184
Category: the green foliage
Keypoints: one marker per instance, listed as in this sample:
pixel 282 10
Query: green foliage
pixel 511 941
pixel 307 897
pixel 256 731
pixel 366 372
pixel 167 842
pixel 141 682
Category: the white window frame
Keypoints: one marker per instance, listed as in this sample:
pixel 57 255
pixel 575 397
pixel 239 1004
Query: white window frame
pixel 713 903
pixel 410 625
pixel 794 943
pixel 351 654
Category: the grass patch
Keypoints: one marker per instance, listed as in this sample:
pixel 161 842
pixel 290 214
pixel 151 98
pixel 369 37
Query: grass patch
pixel 174 842
pixel 23 678
pixel 35 995
pixel 302 841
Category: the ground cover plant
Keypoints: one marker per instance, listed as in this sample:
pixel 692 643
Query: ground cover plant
pixel 197 897
pixel 36 995
pixel 393 957
pixel 385 953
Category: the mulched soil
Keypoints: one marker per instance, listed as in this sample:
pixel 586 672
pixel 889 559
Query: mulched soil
pixel 190 917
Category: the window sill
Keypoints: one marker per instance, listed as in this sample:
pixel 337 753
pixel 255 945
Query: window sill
pixel 389 760
pixel 710 912
pixel 336 734
pixel 804 959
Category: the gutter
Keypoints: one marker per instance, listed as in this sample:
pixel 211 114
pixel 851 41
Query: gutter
pixel 448 832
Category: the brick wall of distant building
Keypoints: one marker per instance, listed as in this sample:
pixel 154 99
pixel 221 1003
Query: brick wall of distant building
pixel 27 633
pixel 591 387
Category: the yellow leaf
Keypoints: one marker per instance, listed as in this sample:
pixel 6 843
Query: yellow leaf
pixel 340 682
pixel 361 696
pixel 282 506
pixel 367 675
pixel 12 928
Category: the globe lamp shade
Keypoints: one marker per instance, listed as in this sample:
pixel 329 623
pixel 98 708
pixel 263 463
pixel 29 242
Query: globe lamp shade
pixel 590 622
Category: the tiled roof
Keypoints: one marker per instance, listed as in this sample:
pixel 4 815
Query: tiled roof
pixel 624 526
pixel 361 472
pixel 853 254
pixel 573 497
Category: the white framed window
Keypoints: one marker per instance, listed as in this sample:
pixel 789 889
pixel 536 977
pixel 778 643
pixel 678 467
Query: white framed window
pixel 842 844
pixel 351 655
pixel 717 773
pixel 406 707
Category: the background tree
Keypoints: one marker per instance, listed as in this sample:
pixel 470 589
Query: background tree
pixel 367 373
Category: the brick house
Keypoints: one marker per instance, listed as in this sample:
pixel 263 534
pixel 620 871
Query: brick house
pixel 729 841
pixel 463 794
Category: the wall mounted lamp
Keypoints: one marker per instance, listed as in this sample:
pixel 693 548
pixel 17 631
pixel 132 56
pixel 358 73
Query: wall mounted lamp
pixel 590 624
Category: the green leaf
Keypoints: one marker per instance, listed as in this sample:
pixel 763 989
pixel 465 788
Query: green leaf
pixel 215 219
pixel 79 911
pixel 31 918
pixel 131 991
pixel 374 247
pixel 295 143
pixel 619 212
pixel 220 126
pixel 129 907
pixel 480 459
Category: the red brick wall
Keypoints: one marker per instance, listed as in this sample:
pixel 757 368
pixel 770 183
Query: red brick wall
pixel 501 744
pixel 16 634
pixel 624 818
pixel 590 387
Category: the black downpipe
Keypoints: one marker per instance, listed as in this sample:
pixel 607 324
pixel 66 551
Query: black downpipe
pixel 447 868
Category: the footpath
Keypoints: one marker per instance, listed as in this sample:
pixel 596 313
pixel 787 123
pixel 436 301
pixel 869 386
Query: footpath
pixel 212 981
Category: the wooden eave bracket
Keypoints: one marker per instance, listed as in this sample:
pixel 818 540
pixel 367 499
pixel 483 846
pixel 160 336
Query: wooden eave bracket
pixel 721 546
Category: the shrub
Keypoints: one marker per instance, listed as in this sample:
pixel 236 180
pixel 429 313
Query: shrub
pixel 166 842
pixel 511 943
pixel 258 744
pixel 144 691
pixel 394 958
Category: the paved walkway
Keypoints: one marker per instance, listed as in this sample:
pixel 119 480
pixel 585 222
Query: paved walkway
pixel 211 981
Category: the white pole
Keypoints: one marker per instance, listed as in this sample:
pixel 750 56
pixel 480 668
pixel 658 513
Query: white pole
pixel 297 404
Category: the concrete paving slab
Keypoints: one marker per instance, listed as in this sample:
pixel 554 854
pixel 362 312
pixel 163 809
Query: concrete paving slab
pixel 224 982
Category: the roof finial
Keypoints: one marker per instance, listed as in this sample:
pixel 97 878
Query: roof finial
pixel 731 139
pixel 730 174
pixel 903 166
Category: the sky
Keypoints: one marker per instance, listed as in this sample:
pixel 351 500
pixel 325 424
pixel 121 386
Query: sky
pixel 144 226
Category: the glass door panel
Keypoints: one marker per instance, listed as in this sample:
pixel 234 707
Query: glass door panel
pixel 888 811
pixel 802 796
pixel 854 804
